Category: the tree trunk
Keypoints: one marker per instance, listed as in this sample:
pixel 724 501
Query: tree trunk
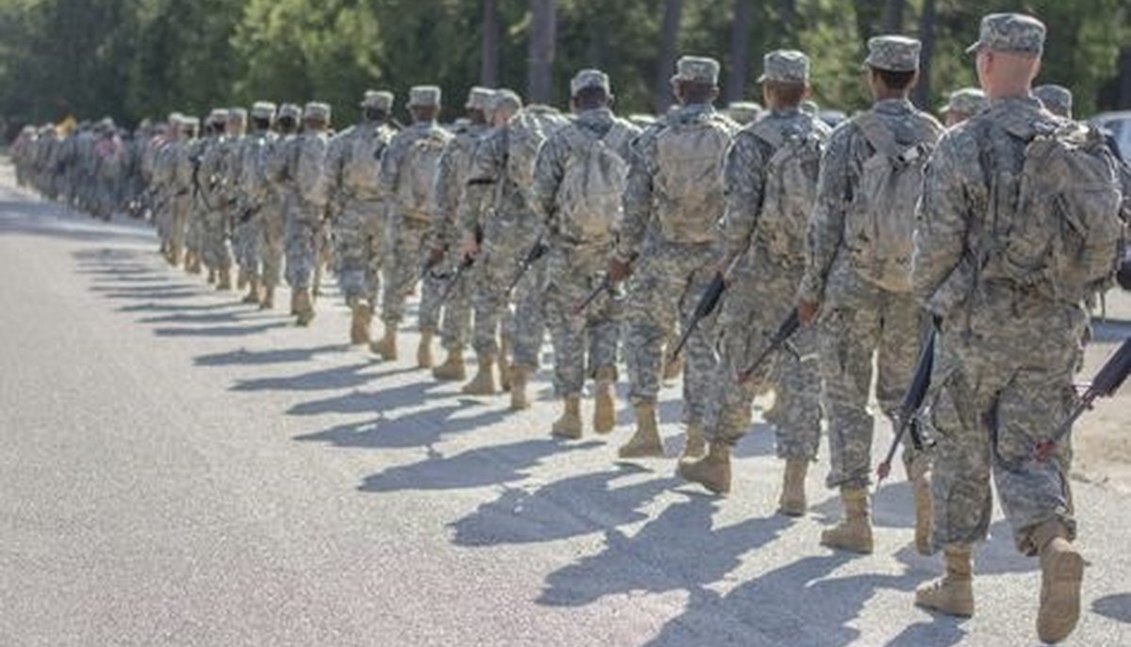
pixel 1124 80
pixel 669 37
pixel 788 28
pixel 542 35
pixel 893 16
pixel 739 50
pixel 927 31
pixel 489 70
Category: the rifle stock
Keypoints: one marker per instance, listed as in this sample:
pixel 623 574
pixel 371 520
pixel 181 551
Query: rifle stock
pixel 912 401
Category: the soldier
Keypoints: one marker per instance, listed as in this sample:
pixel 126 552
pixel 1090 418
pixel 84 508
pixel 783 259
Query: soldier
pixel 202 218
pixel 579 182
pixel 771 182
pixel 1011 319
pixel 354 168
pixel 962 105
pixel 450 182
pixel 858 274
pixel 408 181
pixel 307 174
pixel 252 195
pixel 278 162
pixel 175 171
pixel 1057 99
pixel 744 112
pixel 675 192
pixel 212 180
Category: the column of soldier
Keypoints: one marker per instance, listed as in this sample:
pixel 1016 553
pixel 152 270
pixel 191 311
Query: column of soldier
pixel 887 235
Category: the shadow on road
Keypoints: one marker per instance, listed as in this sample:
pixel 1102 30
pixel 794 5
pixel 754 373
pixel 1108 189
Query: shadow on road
pixel 1116 607
pixel 329 379
pixel 420 429
pixel 244 357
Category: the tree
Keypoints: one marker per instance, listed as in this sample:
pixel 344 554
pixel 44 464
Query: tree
pixel 669 35
pixel 739 50
pixel 542 34
pixel 489 68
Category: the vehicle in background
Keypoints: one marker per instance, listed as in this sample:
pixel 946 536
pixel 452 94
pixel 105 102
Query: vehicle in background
pixel 1118 125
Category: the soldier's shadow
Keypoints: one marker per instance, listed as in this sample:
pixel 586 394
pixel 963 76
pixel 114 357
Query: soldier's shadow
pixel 329 379
pixel 245 357
pixel 423 428
pixel 219 331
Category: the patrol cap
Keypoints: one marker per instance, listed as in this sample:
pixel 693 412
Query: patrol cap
pixel 696 69
pixel 317 110
pixel 744 111
pixel 174 117
pixel 810 107
pixel 505 98
pixel 218 115
pixel 378 100
pixel 188 123
pixel 1014 33
pixel 785 66
pixel 893 53
pixel 589 79
pixel 479 98
pixel 237 115
pixel 968 101
pixel 263 110
pixel 1057 99
pixel 290 110
pixel 424 96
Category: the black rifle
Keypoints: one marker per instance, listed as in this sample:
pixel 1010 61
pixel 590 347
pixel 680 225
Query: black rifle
pixel 536 252
pixel 912 402
pixel 786 330
pixel 464 265
pixel 707 303
pixel 1110 377
pixel 605 286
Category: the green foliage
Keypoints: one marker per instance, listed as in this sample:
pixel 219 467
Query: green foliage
pixel 138 58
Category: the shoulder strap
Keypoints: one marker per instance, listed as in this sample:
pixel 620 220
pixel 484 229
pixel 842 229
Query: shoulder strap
pixel 763 130
pixel 878 134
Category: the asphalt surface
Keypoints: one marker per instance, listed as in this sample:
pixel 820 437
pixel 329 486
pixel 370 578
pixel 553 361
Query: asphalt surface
pixel 179 469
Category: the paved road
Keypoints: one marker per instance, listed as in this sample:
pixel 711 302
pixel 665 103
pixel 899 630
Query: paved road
pixel 178 469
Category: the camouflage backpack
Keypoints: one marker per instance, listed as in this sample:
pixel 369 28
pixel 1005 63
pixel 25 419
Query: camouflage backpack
pixel 1062 235
pixel 880 223
pixel 790 188
pixel 420 168
pixel 592 189
pixel 526 132
pixel 691 156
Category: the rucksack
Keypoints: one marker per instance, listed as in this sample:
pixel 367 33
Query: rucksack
pixel 880 223
pixel 526 132
pixel 1063 235
pixel 592 189
pixel 420 167
pixel 790 187
pixel 691 156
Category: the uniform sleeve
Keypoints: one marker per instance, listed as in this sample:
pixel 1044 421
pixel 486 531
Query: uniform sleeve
pixel 826 226
pixel 549 169
pixel 391 161
pixel 744 177
pixel 448 190
pixel 484 174
pixel 312 184
pixel 638 199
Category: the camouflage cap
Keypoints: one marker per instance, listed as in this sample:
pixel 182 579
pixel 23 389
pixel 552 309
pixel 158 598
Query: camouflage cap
pixel 811 107
pixel 785 66
pixel 317 110
pixel 174 117
pixel 378 100
pixel 968 101
pixel 479 98
pixel 238 115
pixel 218 115
pixel 290 110
pixel 188 123
pixel 420 96
pixel 505 98
pixel 1057 99
pixel 893 53
pixel 696 69
pixel 744 111
pixel 589 79
pixel 263 110
pixel 1010 32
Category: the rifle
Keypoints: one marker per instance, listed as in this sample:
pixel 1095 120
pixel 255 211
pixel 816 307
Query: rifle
pixel 464 265
pixel 536 252
pixel 786 330
pixel 1110 377
pixel 912 401
pixel 707 304
pixel 605 286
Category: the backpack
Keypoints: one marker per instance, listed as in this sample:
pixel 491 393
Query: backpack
pixel 526 132
pixel 421 166
pixel 790 187
pixel 592 188
pixel 1064 235
pixel 880 224
pixel 691 157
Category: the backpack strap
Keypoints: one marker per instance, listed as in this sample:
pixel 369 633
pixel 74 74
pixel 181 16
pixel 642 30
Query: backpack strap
pixel 883 140
pixel 763 130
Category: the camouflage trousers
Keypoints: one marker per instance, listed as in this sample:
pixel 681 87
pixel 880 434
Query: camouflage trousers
pixel 665 287
pixel 997 390
pixel 194 231
pixel 245 243
pixel 405 269
pixel 527 327
pixel 271 243
pixel 178 208
pixel 359 239
pixel 496 266
pixel 758 299
pixel 303 220
pixel 862 322
pixel 572 274
pixel 216 253
pixel 455 324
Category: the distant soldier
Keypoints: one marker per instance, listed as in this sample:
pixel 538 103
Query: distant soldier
pixel 281 195
pixel 962 105
pixel 252 194
pixel 305 213
pixel 744 112
pixel 213 179
pixel 1057 99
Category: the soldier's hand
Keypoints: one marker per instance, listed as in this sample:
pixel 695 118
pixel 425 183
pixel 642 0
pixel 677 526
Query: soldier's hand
pixel 468 248
pixel 807 312
pixel 618 270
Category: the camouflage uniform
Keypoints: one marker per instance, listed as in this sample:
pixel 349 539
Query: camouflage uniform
pixel 252 192
pixel 279 164
pixel 963 104
pixel 1057 99
pixel 305 212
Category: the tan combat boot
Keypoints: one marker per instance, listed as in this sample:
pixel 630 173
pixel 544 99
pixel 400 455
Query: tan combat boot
pixel 569 425
pixel 520 378
pixel 953 593
pixel 505 364
pixel 792 502
pixel 224 279
pixel 712 471
pixel 484 381
pixel 196 267
pixel 604 402
pixel 854 532
pixel 424 350
pixel 673 368
pixel 695 445
pixel 268 300
pixel 242 277
pixel 359 323
pixel 919 473
pixel 387 346
pixel 252 297
pixel 1062 570
pixel 645 443
pixel 453 369
pixel 304 309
